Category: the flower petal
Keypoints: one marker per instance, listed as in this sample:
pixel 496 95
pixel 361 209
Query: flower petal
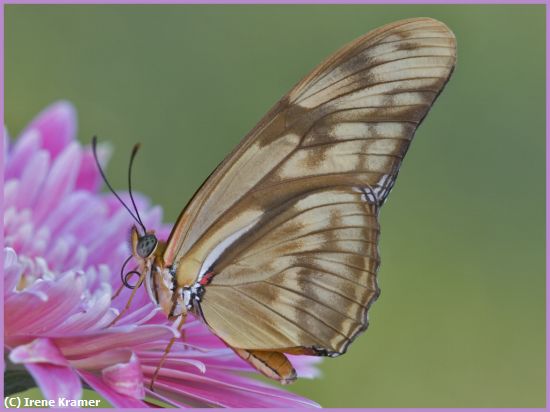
pixel 56 381
pixel 39 350
pixel 154 359
pixel 88 177
pixel 64 296
pixel 24 148
pixel 32 179
pixel 118 400
pixel 60 181
pixel 96 308
pixel 306 366
pixel 11 189
pixel 112 338
pixel 12 270
pixel 50 370
pixel 103 360
pixel 224 390
pixel 79 208
pixel 56 125
pixel 125 378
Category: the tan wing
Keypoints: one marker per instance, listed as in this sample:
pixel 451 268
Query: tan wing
pixel 304 278
pixel 342 131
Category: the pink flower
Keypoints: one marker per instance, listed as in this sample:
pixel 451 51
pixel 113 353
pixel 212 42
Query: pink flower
pixel 65 243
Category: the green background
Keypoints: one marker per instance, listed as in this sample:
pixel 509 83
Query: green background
pixel 461 318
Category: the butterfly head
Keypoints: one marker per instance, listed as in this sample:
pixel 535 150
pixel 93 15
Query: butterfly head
pixel 144 246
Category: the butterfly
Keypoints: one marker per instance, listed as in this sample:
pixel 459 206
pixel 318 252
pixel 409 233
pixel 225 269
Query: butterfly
pixel 277 252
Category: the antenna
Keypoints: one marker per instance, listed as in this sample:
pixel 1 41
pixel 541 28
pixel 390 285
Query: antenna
pixel 134 151
pixel 132 156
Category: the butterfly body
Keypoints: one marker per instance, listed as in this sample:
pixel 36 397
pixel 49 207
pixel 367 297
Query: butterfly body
pixel 277 252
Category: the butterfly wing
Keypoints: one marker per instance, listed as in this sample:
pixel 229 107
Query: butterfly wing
pixel 288 221
pixel 305 277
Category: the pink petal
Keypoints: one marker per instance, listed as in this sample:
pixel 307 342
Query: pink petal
pixel 103 359
pixel 112 338
pixel 226 390
pixel 77 259
pixel 254 388
pixel 60 250
pixel 180 395
pixel 96 308
pixel 141 315
pixel 24 148
pixel 19 305
pixel 79 208
pixel 109 238
pixel 219 396
pixel 40 241
pixel 13 219
pixel 173 362
pixel 49 368
pixel 12 270
pixel 116 399
pixel 88 176
pixel 22 238
pixel 32 179
pixel 57 126
pixel 125 378
pixel 306 366
pixel 11 189
pixel 64 294
pixel 56 381
pixel 39 350
pixel 59 182
pixel 167 399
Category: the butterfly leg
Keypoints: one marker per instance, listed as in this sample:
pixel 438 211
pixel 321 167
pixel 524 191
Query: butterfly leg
pixel 176 303
pixel 123 311
pixel 274 365
pixel 183 317
pixel 118 292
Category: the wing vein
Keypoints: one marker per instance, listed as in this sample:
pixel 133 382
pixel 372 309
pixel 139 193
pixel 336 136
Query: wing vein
pixel 274 311
pixel 364 69
pixel 316 301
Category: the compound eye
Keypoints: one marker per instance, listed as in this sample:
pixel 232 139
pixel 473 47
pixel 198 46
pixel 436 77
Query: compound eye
pixel 146 245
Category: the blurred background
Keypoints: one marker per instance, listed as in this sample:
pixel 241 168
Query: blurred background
pixel 461 318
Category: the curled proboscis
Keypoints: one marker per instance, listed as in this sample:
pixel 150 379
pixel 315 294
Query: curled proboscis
pixel 125 277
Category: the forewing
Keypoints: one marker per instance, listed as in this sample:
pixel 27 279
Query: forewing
pixel 349 122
